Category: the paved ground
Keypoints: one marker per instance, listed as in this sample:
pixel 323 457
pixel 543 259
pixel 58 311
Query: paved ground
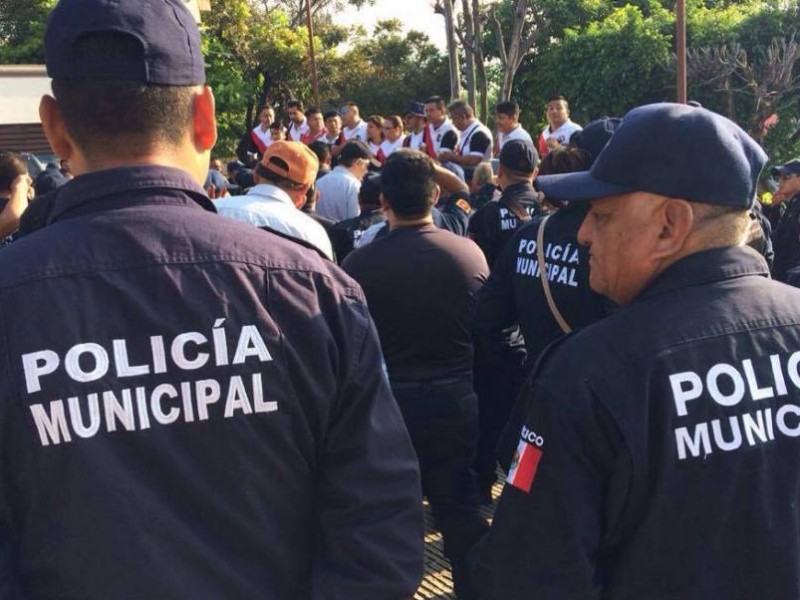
pixel 437 585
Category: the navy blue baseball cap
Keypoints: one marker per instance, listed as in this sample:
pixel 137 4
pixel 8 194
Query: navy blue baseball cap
pixel 519 155
pixel 163 30
pixel 672 150
pixel 594 137
pixel 417 109
pixel 790 168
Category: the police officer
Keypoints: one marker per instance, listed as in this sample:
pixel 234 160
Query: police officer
pixel 515 296
pixel 660 457
pixel 207 418
pixel 420 282
pixel 492 226
pixel 786 237
pixel 345 234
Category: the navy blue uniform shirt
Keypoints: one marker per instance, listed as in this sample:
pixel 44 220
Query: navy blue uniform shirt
pixel 661 456
pixel 193 408
pixel 786 240
pixel 492 226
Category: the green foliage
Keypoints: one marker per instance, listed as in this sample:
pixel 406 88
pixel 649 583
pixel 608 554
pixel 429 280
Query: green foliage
pixel 604 69
pixel 383 72
pixel 22 25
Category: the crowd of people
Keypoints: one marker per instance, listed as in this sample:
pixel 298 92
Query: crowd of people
pixel 241 380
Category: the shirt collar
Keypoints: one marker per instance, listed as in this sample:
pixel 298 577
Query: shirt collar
pixel 128 185
pixel 273 192
pixel 345 171
pixel 709 266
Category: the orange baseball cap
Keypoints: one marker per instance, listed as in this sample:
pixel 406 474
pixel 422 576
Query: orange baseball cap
pixel 292 160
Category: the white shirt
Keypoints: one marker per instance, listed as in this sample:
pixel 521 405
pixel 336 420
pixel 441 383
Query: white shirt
pixel 264 136
pixel 295 131
pixel 388 148
pixel 338 194
pixel 368 235
pixel 466 137
pixel 358 132
pixel 438 133
pixel 563 133
pixel 266 205
pixel 416 141
pixel 518 133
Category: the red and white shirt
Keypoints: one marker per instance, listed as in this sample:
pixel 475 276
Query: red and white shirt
pixel 562 134
pixel 388 148
pixel 310 138
pixel 443 137
pixel 374 148
pixel 262 139
pixel 296 132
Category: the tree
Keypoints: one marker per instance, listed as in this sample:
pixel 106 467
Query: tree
pixel 446 9
pixel 473 21
pixel 606 68
pixel 400 68
pixel 296 9
pixel 513 50
pixel 22 26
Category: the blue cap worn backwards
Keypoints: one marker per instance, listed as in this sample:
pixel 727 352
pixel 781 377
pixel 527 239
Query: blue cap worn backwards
pixel 672 150
pixel 164 31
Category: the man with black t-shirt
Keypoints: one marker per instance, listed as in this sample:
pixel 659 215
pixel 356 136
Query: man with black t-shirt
pixel 420 283
pixel 494 224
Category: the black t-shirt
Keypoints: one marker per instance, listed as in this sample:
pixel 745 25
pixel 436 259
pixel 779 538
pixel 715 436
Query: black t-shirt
pixel 421 284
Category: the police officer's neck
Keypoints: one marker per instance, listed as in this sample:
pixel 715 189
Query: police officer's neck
pixel 188 162
pixel 399 222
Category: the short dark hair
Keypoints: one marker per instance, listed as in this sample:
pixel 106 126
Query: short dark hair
pixel 276 125
pixel 558 97
pixel 565 159
pixel 352 151
pixel 321 149
pixel 507 107
pixel 312 111
pixel 298 104
pixel 266 107
pixel 462 107
pixel 120 114
pixel 370 192
pixel 437 100
pixel 329 114
pixel 408 182
pixel 12 166
pixel 274 178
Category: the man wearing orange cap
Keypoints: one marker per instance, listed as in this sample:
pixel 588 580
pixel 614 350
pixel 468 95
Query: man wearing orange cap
pixel 283 178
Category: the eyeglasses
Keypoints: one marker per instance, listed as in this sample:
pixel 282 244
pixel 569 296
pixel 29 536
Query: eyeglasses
pixel 389 127
pixel 787 176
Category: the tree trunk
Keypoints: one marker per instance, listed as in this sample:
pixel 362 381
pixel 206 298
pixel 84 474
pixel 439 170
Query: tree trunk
pixel 452 50
pixel 480 64
pixel 469 56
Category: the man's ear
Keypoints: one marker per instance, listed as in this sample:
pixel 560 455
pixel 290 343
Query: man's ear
pixel 437 193
pixel 384 203
pixel 204 120
pixel 55 129
pixel 677 220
